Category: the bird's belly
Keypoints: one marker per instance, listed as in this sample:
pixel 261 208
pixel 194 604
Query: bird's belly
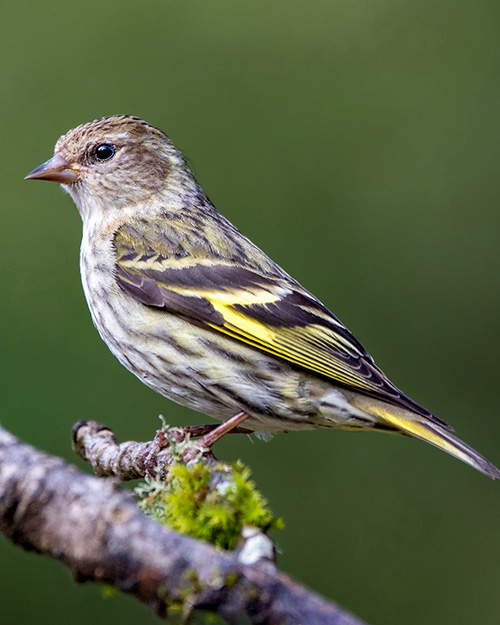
pixel 201 368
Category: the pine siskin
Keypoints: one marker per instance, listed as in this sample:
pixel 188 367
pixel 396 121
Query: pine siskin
pixel 202 315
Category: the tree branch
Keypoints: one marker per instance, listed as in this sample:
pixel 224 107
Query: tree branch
pixel 97 531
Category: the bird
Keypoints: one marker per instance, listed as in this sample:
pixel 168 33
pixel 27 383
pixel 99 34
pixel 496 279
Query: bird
pixel 204 317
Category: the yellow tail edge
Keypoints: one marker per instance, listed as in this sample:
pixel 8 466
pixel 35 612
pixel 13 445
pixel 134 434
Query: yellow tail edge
pixel 439 437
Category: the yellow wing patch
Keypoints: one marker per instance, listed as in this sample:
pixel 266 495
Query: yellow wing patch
pixel 304 346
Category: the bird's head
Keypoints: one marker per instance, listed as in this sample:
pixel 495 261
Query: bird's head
pixel 114 162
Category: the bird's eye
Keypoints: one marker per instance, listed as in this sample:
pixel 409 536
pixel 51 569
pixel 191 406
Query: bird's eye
pixel 104 152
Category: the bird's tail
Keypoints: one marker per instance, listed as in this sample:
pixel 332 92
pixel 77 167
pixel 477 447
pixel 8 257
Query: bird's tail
pixel 433 433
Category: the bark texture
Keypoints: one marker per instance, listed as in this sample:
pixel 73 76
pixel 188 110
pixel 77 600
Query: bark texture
pixel 96 530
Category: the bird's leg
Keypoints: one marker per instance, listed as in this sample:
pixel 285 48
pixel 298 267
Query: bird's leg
pixel 209 433
pixel 201 430
pixel 211 437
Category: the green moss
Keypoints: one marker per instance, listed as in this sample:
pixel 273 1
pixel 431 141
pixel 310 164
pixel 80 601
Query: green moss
pixel 208 502
pixel 108 591
pixel 231 579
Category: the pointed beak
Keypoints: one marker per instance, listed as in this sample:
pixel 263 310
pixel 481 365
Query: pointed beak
pixel 56 169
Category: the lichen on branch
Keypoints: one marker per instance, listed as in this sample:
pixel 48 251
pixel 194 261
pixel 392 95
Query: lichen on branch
pixel 208 502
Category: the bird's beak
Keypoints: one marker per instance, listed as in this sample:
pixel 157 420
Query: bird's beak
pixel 56 169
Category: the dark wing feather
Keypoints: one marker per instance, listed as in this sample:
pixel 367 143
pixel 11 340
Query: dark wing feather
pixel 265 309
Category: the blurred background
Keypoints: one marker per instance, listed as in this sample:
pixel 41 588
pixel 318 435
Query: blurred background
pixel 357 143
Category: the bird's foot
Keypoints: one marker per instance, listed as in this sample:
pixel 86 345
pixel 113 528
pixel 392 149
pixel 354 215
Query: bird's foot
pixel 209 434
pixel 212 435
pixel 159 442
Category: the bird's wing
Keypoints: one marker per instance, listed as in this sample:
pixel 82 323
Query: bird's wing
pixel 158 266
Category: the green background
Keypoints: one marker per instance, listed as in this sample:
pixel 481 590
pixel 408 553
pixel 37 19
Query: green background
pixel 355 141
